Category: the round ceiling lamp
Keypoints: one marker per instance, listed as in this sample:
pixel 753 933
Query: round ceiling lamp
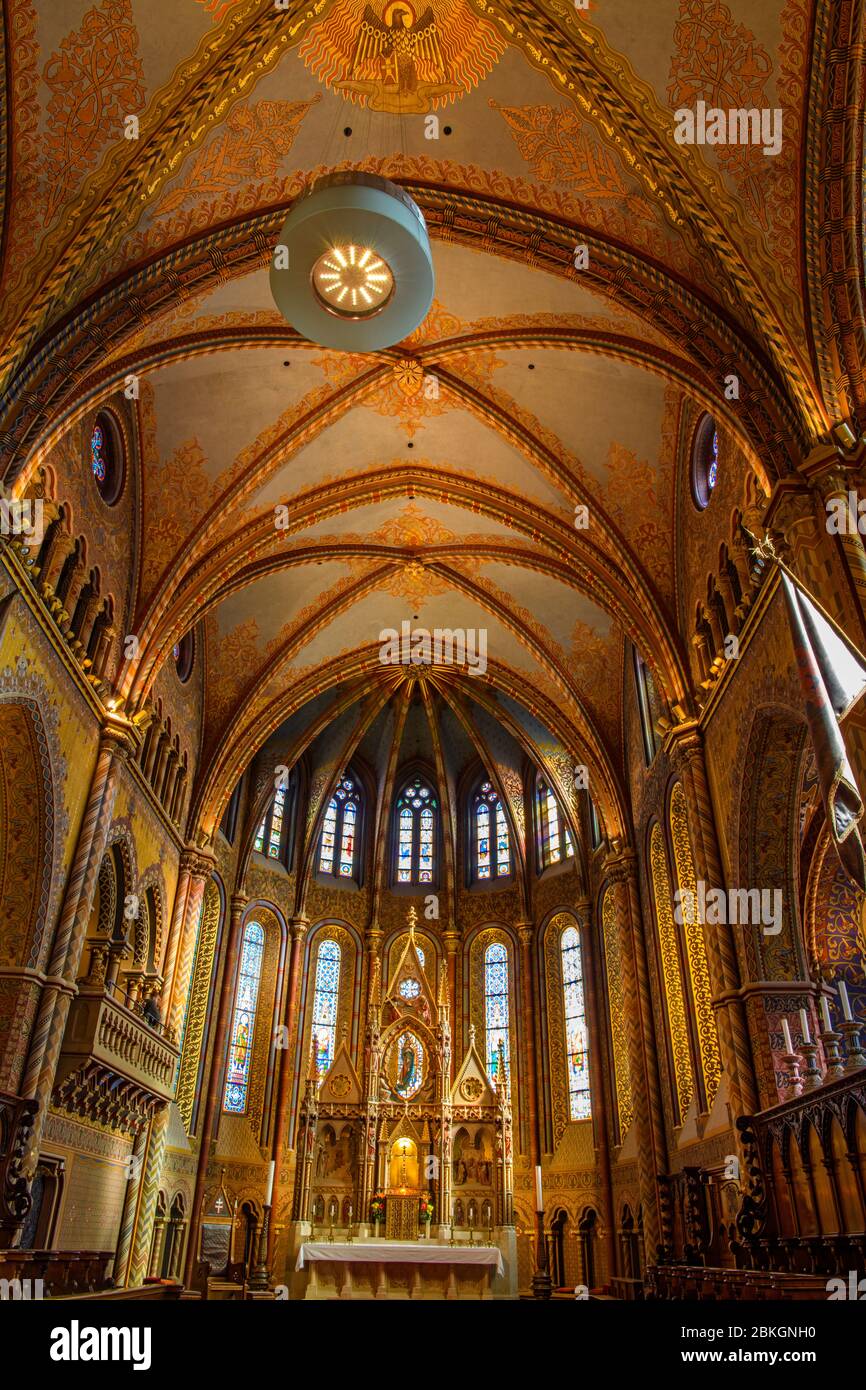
pixel 353 267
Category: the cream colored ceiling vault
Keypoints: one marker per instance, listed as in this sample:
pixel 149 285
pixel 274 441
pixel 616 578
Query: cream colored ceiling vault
pixel 554 390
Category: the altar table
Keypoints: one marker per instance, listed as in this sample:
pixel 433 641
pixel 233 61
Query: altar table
pixel 392 1269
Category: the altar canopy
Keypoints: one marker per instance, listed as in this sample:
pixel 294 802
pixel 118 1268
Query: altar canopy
pixel 401 1150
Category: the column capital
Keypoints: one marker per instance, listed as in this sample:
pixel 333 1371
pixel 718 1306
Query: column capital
pixel 451 938
pixel 620 865
pixel 238 904
pixel 198 861
pixel 525 930
pixel 119 735
pixel 684 743
pixel 298 927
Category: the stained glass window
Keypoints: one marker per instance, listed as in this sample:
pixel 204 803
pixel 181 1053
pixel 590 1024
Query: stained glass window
pixel 325 1003
pixel 244 1020
pixel 705 461
pixel 97 453
pixel 276 831
pixel 648 706
pixel 337 842
pixel 551 844
pixel 492 845
pixel 329 832
pixel 107 459
pixel 713 469
pixel 272 835
pixel 496 1006
pixel 416 834
pixel 576 1039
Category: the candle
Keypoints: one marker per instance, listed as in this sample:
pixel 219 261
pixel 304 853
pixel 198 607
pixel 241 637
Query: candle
pixel 846 1005
pixel 539 1199
pixel 825 1016
pixel 471 1215
pixel 786 1034
pixel 270 1189
pixel 804 1027
pixel 350 1215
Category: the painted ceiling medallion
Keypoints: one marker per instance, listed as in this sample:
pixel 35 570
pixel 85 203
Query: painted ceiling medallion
pixel 353 268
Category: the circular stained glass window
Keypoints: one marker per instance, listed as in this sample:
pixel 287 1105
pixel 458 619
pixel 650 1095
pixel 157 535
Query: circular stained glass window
pixel 184 656
pixel 705 461
pixel 410 988
pixel 107 458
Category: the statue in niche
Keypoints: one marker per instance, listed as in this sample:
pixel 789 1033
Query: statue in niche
pixel 407 1068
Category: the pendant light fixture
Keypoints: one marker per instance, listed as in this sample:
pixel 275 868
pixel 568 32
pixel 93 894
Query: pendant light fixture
pixel 353 268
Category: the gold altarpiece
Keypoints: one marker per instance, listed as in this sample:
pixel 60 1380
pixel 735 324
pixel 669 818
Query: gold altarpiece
pixel 406 1128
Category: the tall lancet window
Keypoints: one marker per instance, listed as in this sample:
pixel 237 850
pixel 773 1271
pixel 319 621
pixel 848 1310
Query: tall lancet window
pixel 555 836
pixel 496 1007
pixel 338 841
pixel 491 843
pixel 244 1020
pixel 326 1000
pixel 272 836
pixel 576 1038
pixel 416 812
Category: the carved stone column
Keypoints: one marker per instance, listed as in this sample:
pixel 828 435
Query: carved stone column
pixel 298 928
pixel 687 753
pixel 526 932
pixel 60 548
pixel 621 880
pixel 451 939
pixel 130 1205
pixel 197 867
pixel 118 741
pixel 143 1238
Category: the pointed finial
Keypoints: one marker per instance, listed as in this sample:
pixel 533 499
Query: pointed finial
pixel 413 918
pixel 313 1070
pixel 472 1032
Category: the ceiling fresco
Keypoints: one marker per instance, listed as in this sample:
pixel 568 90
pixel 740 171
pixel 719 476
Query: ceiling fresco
pixel 297 501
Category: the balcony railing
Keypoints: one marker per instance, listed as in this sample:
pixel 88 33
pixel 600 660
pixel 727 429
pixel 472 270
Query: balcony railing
pixel 105 1038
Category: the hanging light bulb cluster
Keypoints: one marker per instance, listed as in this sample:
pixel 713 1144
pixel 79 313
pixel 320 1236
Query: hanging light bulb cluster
pixel 353 267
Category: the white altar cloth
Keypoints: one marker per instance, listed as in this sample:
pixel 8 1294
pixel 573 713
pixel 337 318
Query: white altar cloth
pixel 409 1252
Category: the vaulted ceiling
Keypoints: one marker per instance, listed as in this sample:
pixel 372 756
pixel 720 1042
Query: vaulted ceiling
pixel 439 480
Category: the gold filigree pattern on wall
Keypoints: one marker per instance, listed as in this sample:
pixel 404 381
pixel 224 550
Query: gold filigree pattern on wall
pixel 708 1042
pixel 671 974
pixel 618 1021
pixel 197 1012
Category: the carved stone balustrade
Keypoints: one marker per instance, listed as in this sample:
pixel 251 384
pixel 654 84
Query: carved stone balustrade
pixel 114 1065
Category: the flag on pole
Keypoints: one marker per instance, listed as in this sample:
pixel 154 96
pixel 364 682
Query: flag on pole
pixel 832 678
